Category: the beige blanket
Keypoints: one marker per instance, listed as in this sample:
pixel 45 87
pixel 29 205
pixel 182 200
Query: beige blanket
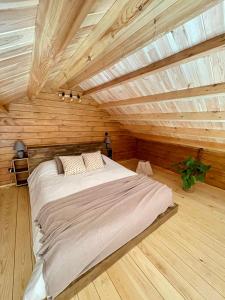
pixel 82 229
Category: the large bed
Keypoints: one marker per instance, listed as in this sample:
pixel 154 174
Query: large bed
pixel 47 186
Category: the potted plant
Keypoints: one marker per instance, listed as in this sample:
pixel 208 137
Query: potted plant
pixel 191 170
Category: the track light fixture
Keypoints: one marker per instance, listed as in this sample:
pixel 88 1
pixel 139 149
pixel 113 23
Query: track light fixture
pixel 70 96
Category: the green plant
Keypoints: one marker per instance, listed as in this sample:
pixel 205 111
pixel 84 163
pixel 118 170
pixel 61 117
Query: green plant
pixel 191 170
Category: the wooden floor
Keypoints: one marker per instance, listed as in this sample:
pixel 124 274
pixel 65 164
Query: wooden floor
pixel 183 259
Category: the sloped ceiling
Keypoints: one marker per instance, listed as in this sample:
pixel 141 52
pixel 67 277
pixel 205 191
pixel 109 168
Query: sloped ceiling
pixel 205 70
pixel 17 30
pixel 116 38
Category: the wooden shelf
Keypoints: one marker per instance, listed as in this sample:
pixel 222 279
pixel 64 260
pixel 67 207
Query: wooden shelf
pixel 20 159
pixel 21 170
pixel 21 182
pixel 20 167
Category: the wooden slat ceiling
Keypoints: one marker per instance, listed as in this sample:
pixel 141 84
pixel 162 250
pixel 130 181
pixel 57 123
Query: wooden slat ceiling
pixel 156 66
pixel 17 29
pixel 166 114
pixel 17 37
pixel 96 13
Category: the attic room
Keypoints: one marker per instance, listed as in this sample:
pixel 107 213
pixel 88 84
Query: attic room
pixel 112 149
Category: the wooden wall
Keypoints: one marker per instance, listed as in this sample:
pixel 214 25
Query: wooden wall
pixel 48 120
pixel 165 155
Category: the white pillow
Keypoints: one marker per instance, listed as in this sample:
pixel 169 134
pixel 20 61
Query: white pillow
pixel 73 164
pixel 93 160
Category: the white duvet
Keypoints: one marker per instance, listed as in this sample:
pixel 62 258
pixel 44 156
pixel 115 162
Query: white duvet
pixel 46 185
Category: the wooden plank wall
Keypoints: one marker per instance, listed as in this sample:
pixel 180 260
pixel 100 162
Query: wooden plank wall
pixel 48 120
pixel 165 155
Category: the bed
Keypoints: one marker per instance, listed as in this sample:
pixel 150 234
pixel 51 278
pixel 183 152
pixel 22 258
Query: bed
pixel 46 186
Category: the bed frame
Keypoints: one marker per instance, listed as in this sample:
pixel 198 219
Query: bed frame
pixel 38 154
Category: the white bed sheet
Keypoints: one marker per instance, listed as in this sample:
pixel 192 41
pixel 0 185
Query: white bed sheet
pixel 45 185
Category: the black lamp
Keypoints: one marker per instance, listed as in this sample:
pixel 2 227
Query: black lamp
pixel 20 148
pixel 107 142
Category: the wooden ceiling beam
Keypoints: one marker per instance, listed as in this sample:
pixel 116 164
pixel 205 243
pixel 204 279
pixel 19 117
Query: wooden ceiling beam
pixel 113 23
pixel 183 56
pixel 181 141
pixel 57 23
pixel 212 89
pixel 162 130
pixel 3 108
pixel 183 116
pixel 157 19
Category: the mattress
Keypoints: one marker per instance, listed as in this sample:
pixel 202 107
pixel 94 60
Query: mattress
pixel 45 185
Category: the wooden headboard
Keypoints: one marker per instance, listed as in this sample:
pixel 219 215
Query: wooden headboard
pixel 38 154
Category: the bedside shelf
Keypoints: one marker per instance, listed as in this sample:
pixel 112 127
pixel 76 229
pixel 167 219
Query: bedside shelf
pixel 21 171
pixel 21 182
pixel 20 167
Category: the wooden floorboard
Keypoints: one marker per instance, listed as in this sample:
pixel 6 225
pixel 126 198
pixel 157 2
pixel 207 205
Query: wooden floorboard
pixel 23 251
pixel 182 259
pixel 8 220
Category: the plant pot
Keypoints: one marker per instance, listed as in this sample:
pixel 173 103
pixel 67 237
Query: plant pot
pixel 191 190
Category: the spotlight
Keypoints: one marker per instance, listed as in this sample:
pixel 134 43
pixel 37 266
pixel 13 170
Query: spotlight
pixel 70 95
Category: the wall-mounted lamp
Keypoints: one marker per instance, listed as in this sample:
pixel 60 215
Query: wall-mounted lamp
pixel 20 148
pixel 108 146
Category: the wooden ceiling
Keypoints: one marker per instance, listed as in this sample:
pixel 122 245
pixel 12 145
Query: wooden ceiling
pixel 17 29
pixel 158 67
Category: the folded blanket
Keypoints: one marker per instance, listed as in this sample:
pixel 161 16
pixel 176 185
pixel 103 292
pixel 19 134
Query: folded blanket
pixel 82 229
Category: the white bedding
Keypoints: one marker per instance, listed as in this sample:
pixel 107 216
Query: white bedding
pixel 46 185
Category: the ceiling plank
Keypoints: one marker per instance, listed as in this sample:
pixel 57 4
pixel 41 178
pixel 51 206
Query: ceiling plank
pixel 56 24
pixel 159 18
pixel 181 141
pixel 184 116
pixel 212 89
pixel 183 56
pixel 6 5
pixel 162 130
